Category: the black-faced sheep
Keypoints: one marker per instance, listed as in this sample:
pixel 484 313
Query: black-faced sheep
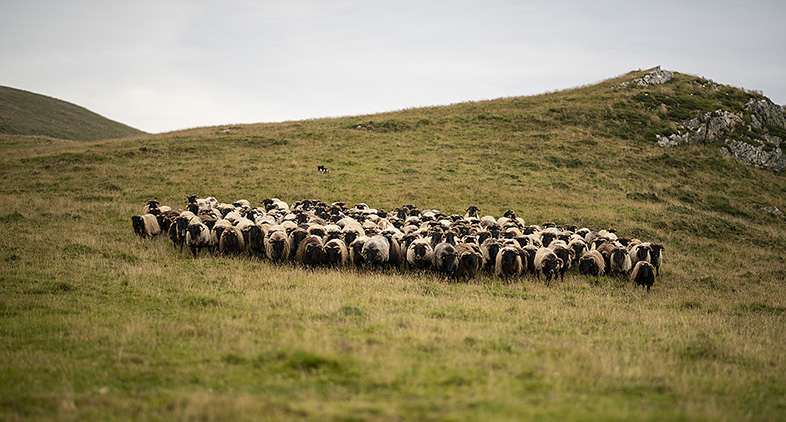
pixel 528 259
pixel 376 252
pixel 470 260
pixel 336 254
pixel 445 259
pixel 592 263
pixel 295 238
pixel 472 212
pixel 420 254
pixel 311 252
pixel 356 251
pixel 332 231
pixel 548 235
pixel 351 231
pixel 640 252
pixel 174 236
pixel 198 237
pixel 256 240
pixel 277 246
pixel 619 261
pixel 490 248
pixel 579 248
pixel 218 230
pixel 145 225
pixel 166 219
pixel 182 222
pixel 657 257
pixel 151 207
pixel 508 262
pixel 643 274
pixel 231 242
pixel 564 253
pixel 395 254
pixel 548 263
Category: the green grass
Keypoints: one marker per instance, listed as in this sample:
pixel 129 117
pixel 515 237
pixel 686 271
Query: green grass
pixel 26 113
pixel 99 325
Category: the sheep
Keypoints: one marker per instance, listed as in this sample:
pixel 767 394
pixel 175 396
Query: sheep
pixel 548 235
pixel 254 236
pixel 151 207
pixel 182 222
pixel 528 259
pixel 209 219
pixel 640 252
pixel 234 217
pixel 397 253
pixel 548 263
pixel 277 246
pixel 376 252
pixel 445 259
pixel 656 257
pixel 356 251
pixel 579 247
pixel 420 254
pixel 166 218
pixel 231 242
pixel 488 221
pixel 508 262
pixel 564 253
pixel 332 231
pixel 351 231
pixel 643 274
pixel 619 261
pixel 198 237
pixel 472 212
pixel 310 252
pixel 592 263
pixel 470 260
pixel 145 225
pixel 605 250
pixel 217 230
pixel 295 238
pixel 173 235
pixel 242 203
pixel 336 254
pixel 201 203
pixel 490 248
pixel 275 204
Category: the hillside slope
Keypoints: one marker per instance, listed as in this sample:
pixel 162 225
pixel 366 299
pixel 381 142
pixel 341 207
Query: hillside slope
pixel 27 113
pixel 99 325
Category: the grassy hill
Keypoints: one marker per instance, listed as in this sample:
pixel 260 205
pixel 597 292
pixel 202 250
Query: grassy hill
pixel 98 325
pixel 26 113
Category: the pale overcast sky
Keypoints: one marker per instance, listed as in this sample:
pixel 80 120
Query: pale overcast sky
pixel 162 65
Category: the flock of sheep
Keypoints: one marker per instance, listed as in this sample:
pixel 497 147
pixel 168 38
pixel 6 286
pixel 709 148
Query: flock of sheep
pixel 313 233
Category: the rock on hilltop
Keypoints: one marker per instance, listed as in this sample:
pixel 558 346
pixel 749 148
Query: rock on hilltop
pixel 752 134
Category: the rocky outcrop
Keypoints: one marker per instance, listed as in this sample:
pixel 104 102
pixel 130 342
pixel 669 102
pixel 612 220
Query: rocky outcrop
pixel 756 156
pixel 765 113
pixel 706 128
pixel 760 149
pixel 656 77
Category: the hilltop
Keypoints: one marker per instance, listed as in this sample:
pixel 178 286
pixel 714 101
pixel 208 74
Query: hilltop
pixel 27 113
pixel 100 325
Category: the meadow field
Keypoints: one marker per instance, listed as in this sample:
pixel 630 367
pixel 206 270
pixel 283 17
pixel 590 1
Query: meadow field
pixel 98 324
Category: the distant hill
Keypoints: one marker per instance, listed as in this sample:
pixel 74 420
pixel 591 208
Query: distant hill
pixel 27 113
